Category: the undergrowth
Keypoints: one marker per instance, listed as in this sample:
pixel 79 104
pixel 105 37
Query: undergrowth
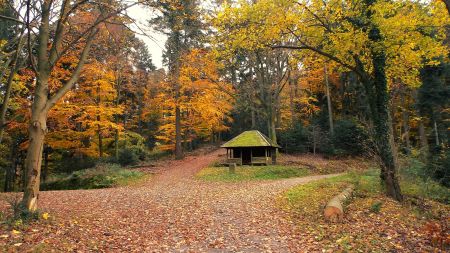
pixel 101 176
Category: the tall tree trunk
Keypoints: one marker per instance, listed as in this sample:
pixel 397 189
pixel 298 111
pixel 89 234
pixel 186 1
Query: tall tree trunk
pixel 99 128
pixel 116 117
pixel 141 102
pixel 253 117
pixel 45 169
pixel 178 146
pixel 42 101
pixel 272 127
pixel 436 133
pixel 405 123
pixel 36 132
pixel 291 101
pixel 422 136
pixel 11 170
pixel 381 118
pixel 330 112
pixel 100 139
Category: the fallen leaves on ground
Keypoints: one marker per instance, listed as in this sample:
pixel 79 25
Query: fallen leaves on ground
pixel 395 227
pixel 174 212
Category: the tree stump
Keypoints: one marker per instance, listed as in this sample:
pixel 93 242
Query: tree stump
pixel 232 168
pixel 334 210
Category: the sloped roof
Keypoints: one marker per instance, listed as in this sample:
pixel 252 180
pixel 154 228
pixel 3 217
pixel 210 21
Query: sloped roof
pixel 251 138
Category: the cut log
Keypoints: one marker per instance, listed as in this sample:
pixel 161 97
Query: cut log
pixel 334 210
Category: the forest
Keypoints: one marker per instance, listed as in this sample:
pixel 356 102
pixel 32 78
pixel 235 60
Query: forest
pixel 81 93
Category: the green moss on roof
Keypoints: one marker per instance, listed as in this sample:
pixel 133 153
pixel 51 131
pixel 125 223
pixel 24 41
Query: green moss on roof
pixel 252 138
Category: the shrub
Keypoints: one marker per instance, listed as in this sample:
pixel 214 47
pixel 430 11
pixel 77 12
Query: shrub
pixel 350 138
pixel 156 154
pixel 439 167
pixel 376 207
pixel 129 156
pixel 101 176
pixel 69 162
pixel 294 139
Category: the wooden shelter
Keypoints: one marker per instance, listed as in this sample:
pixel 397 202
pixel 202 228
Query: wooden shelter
pixel 251 147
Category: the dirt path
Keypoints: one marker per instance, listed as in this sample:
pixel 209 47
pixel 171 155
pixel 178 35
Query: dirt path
pixel 172 212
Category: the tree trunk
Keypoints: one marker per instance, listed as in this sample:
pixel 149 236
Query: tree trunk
pixel 178 147
pixel 116 145
pixel 422 136
pixel 45 169
pixel 405 123
pixel 116 117
pixel 314 136
pixel 11 170
pixel 436 133
pixel 36 132
pixel 141 103
pixel 253 116
pixel 271 123
pixel 100 140
pixel 99 128
pixel 381 119
pixel 291 101
pixel 330 112
pixel 42 101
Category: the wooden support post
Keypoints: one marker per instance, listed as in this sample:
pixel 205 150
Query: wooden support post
pixel 265 156
pixel 251 156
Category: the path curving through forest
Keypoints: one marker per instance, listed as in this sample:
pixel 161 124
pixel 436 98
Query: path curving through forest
pixel 172 212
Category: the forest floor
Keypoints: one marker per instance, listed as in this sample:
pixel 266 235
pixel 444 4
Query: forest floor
pixel 170 212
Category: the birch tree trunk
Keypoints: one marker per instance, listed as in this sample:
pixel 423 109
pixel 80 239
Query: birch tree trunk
pixel 330 112
pixel 436 133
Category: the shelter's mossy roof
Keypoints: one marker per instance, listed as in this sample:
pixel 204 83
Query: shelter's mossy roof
pixel 252 138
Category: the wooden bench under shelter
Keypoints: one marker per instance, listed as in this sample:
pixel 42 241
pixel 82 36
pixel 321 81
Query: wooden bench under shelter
pixel 251 148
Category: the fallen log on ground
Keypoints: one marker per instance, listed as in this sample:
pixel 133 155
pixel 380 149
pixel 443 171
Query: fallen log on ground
pixel 334 210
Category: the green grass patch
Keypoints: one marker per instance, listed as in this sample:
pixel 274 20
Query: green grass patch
pixel 415 181
pixel 309 199
pixel 246 173
pixel 305 204
pixel 101 176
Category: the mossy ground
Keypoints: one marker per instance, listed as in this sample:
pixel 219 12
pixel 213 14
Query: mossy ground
pixel 246 173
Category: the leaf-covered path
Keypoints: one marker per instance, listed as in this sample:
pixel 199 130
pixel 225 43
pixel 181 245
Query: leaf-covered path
pixel 172 212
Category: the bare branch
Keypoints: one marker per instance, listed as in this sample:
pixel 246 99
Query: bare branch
pixel 60 27
pixel 11 19
pixel 99 20
pixel 76 73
